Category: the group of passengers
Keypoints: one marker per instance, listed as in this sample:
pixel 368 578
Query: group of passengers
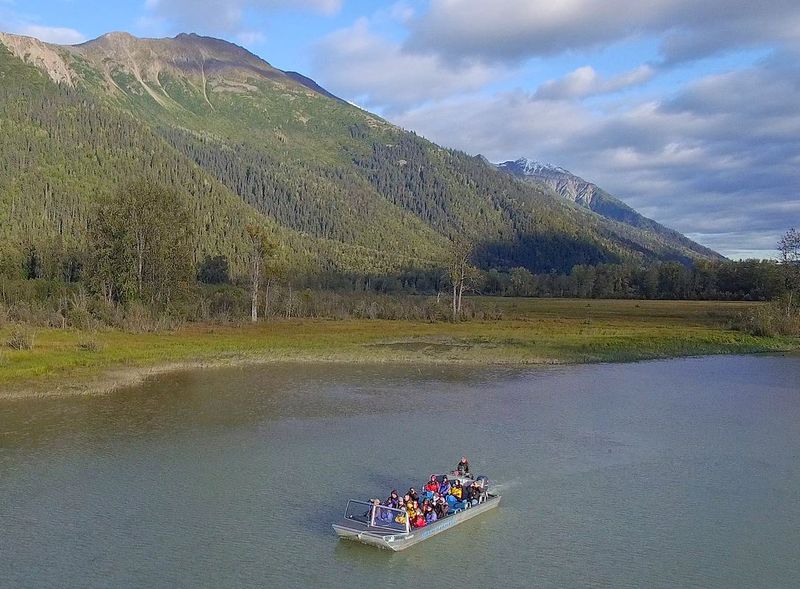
pixel 438 498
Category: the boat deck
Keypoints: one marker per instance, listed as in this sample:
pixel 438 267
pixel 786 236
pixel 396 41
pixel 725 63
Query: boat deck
pixel 361 531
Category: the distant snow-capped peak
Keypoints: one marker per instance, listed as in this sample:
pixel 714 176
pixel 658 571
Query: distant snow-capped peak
pixel 531 167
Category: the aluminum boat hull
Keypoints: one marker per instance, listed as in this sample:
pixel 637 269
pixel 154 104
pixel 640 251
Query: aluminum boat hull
pixel 351 530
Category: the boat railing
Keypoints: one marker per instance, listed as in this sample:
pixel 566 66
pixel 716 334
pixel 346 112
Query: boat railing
pixel 377 516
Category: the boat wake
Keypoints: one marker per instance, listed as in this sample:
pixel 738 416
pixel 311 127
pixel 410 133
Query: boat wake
pixel 500 487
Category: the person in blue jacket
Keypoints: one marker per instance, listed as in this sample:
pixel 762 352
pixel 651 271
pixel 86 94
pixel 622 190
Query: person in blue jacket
pixel 444 487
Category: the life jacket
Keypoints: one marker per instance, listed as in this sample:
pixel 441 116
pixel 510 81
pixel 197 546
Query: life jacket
pixel 456 492
pixel 432 486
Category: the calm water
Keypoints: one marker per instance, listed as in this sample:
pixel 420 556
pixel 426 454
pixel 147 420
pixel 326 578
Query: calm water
pixel 681 473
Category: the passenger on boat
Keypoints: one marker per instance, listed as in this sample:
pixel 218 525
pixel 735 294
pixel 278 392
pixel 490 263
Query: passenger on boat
pixel 444 486
pixel 381 515
pixel 375 502
pixel 418 519
pixel 430 514
pixel 456 490
pixel 410 511
pixel 393 501
pixel 467 494
pixel 476 492
pixel 440 507
pixel 463 466
pixel 412 492
pixel 432 485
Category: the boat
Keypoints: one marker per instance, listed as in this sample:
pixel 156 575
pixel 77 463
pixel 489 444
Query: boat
pixel 385 527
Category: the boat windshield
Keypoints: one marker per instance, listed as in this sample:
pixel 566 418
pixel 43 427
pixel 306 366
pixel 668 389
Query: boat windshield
pixel 377 516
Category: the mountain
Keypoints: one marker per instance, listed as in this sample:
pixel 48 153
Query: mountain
pixel 343 190
pixel 591 196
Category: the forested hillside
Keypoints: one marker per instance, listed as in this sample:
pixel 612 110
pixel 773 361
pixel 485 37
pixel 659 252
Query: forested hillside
pixel 591 196
pixel 339 189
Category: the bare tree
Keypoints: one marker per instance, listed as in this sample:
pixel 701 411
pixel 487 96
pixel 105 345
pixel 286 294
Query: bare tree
pixel 262 249
pixel 462 275
pixel 789 250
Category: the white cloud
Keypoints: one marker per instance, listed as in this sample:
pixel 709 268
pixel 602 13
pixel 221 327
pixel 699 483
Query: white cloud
pixel 509 30
pixel 227 15
pixel 401 12
pixel 717 161
pixel 30 25
pixel 250 38
pixel 376 72
pixel 57 35
pixel 585 81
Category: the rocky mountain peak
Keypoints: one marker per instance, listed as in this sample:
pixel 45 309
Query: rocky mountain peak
pixel 135 66
pixel 529 166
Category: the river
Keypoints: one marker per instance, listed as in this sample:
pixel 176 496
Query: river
pixel 678 473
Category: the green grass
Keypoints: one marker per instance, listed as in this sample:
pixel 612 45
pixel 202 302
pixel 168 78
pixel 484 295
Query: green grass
pixel 541 331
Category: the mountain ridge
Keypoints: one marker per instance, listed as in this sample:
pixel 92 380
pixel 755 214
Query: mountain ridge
pixel 275 146
pixel 589 195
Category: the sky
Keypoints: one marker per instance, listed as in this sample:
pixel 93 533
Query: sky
pixel 687 110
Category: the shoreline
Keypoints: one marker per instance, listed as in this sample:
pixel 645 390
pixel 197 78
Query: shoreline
pixel 121 377
pixel 541 332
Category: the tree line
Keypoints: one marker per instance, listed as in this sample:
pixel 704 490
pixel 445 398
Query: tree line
pixel 141 249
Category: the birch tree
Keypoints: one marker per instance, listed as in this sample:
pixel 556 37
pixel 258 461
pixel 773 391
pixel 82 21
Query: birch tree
pixel 142 244
pixel 262 248
pixel 789 252
pixel 462 275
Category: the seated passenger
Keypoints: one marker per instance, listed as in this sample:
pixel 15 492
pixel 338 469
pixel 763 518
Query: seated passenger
pixel 444 487
pixel 380 515
pixel 410 512
pixel 393 501
pixel 430 514
pixel 476 492
pixel 412 492
pixel 419 521
pixel 432 485
pixel 456 490
pixel 463 466
pixel 467 494
pixel 441 508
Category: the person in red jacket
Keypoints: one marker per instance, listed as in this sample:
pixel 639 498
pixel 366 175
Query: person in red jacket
pixel 433 485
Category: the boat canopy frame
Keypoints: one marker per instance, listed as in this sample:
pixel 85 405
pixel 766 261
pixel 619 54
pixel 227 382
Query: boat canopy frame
pixel 377 517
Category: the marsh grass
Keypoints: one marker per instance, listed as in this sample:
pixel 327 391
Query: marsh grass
pixel 541 332
pixel 90 344
pixel 21 338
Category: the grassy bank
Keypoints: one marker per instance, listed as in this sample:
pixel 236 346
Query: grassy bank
pixel 537 331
